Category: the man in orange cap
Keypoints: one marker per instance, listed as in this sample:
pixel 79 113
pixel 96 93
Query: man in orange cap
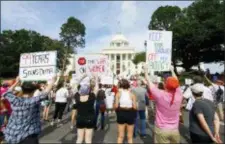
pixel 168 103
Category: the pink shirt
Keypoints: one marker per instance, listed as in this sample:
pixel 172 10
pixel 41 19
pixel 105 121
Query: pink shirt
pixel 167 117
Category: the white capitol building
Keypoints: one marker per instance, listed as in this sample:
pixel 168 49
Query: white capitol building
pixel 120 55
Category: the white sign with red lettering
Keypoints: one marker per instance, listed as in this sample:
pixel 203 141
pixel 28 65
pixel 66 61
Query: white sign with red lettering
pixel 92 64
pixel 159 50
pixel 38 65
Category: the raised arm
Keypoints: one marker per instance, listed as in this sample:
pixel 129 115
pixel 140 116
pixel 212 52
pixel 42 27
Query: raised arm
pixel 148 81
pixel 207 79
pixel 50 85
pixel 15 84
pixel 96 84
pixel 81 79
pixel 173 73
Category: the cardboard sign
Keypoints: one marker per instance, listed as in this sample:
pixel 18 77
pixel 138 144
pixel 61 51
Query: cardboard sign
pixel 92 64
pixel 159 50
pixel 37 66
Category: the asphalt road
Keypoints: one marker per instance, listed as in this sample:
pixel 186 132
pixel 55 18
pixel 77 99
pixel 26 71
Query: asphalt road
pixel 63 134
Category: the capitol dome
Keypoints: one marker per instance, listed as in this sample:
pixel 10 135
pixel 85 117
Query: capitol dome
pixel 119 40
pixel 119 37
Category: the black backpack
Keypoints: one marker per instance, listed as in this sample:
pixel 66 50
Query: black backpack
pixel 219 95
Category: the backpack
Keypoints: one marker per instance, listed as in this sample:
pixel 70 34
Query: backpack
pixel 219 95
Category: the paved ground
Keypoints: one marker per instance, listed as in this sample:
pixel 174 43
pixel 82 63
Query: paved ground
pixel 63 134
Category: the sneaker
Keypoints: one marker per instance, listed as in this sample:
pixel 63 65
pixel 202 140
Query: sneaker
pixel 143 136
pixel 59 125
pixel 58 121
pixel 71 127
pixel 52 123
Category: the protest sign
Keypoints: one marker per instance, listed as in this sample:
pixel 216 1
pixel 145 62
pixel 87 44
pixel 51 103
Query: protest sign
pixel 92 64
pixel 107 80
pixel 159 50
pixel 37 66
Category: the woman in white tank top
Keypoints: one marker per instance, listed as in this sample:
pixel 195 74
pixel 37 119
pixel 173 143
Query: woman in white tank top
pixel 125 105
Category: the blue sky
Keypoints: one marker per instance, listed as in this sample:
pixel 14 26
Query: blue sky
pixel 102 19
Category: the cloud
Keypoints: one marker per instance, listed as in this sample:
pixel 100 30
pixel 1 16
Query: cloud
pixel 19 14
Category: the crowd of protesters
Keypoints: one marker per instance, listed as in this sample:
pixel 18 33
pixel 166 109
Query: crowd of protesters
pixel 129 100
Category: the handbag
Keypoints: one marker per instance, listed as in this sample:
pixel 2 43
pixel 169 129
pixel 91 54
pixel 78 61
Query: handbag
pixel 102 107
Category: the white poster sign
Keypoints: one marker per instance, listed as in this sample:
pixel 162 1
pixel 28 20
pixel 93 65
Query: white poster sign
pixel 107 80
pixel 38 65
pixel 159 50
pixel 92 64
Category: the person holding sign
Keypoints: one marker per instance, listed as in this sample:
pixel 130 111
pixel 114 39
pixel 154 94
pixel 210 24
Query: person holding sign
pixel 24 124
pixel 168 103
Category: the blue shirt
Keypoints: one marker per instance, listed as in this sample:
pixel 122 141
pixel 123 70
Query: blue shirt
pixel 25 118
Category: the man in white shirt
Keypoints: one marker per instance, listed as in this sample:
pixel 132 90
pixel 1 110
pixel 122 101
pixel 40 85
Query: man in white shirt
pixel 207 94
pixel 214 88
pixel 62 95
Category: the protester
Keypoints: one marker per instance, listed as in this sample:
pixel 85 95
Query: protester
pixel 74 108
pixel 126 106
pixel 85 113
pixel 207 94
pixel 100 106
pixel 24 124
pixel 46 103
pixel 217 89
pixel 140 93
pixel 110 96
pixel 60 103
pixel 168 104
pixel 203 120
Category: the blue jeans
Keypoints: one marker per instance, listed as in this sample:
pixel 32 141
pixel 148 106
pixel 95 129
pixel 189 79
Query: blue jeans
pixel 140 115
pixel 97 109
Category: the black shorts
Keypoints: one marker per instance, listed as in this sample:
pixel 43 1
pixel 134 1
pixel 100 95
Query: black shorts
pixel 85 121
pixel 74 106
pixel 126 116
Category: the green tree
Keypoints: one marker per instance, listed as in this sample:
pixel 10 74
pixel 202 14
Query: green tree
pixel 163 19
pixel 139 57
pixel 198 31
pixel 72 35
pixel 198 35
pixel 13 43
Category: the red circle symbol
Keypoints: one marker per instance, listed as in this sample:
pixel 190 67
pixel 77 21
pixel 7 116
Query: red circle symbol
pixel 82 61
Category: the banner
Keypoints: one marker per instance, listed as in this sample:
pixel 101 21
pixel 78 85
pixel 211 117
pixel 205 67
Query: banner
pixel 92 64
pixel 107 80
pixel 38 65
pixel 159 50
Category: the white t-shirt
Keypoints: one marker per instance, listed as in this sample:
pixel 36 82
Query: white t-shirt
pixel 109 100
pixel 61 95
